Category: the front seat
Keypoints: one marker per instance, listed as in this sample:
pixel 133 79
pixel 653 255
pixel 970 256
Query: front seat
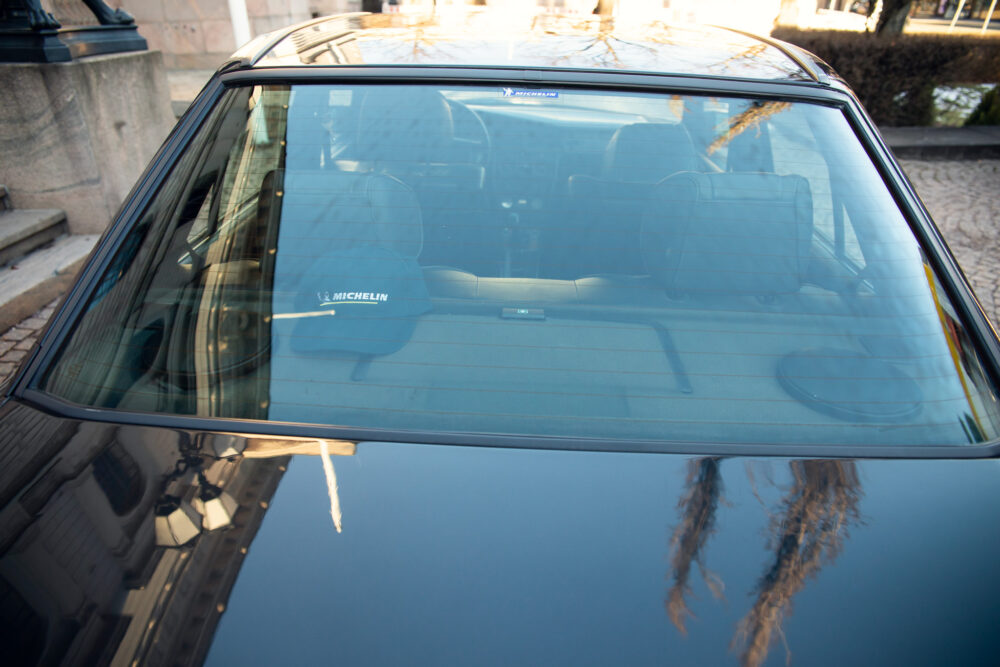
pixel 607 209
pixel 409 134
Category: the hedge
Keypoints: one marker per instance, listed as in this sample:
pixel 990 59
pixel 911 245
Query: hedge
pixel 988 111
pixel 895 76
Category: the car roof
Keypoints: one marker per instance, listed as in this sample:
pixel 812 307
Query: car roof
pixel 487 38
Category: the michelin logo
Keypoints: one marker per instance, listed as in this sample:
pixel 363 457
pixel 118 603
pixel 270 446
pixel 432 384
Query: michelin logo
pixel 515 92
pixel 329 299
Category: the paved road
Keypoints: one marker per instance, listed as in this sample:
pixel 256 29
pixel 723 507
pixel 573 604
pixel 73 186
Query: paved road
pixel 963 196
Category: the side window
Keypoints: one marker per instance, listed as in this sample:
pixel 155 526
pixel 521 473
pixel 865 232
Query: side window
pixel 188 303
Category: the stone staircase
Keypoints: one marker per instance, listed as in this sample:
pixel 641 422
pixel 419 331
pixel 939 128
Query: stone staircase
pixel 38 259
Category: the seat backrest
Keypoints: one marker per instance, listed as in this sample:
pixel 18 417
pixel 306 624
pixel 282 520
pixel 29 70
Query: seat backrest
pixel 728 234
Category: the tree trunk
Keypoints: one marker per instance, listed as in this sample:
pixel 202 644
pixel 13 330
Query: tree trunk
pixel 893 17
pixel 604 7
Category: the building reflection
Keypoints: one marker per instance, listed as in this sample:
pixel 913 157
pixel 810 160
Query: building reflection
pixel 807 531
pixel 82 577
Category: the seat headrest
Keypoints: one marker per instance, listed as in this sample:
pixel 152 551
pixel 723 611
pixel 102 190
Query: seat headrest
pixel 729 234
pixel 403 125
pixel 649 152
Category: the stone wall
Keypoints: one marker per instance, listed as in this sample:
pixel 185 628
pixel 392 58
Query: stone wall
pixel 76 136
pixel 198 34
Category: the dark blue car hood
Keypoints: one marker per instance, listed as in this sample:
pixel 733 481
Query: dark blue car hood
pixel 466 555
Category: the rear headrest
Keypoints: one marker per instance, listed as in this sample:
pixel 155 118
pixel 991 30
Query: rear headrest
pixel 407 125
pixel 329 210
pixel 729 234
pixel 649 152
pixel 346 279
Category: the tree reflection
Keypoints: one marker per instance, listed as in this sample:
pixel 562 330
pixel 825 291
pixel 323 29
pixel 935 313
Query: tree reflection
pixel 752 117
pixel 808 533
pixel 410 37
pixel 603 44
pixel 697 508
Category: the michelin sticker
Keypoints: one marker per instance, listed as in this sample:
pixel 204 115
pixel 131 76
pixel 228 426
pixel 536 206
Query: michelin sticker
pixel 328 299
pixel 517 92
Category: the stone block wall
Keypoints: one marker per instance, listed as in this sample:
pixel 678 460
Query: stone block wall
pixel 77 135
pixel 198 34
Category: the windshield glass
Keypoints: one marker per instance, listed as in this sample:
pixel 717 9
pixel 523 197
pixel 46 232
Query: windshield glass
pixel 530 261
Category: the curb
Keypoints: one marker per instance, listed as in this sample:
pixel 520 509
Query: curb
pixel 943 143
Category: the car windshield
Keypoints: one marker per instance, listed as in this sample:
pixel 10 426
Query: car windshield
pixel 530 261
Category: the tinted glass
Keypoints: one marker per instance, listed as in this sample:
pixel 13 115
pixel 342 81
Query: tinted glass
pixel 531 261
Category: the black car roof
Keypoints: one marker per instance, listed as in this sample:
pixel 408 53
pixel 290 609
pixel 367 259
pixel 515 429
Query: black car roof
pixel 546 41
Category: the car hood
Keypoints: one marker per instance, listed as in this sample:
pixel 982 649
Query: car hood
pixel 472 555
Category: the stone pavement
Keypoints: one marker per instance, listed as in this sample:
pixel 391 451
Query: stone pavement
pixel 17 341
pixel 962 195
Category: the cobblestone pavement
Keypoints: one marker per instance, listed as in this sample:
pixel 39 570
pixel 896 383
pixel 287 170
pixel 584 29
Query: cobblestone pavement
pixel 964 200
pixel 963 196
pixel 17 341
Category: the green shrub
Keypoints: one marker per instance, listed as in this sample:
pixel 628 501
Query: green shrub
pixel 895 76
pixel 988 111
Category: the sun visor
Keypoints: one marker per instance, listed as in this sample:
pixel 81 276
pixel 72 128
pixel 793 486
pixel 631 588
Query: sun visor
pixel 365 300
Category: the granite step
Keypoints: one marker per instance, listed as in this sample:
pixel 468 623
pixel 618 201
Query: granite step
pixel 23 230
pixel 34 280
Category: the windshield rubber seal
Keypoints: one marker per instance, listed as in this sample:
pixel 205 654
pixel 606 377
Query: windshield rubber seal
pixel 56 406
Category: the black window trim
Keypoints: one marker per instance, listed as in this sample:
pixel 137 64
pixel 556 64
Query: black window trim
pixel 928 236
pixel 255 428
